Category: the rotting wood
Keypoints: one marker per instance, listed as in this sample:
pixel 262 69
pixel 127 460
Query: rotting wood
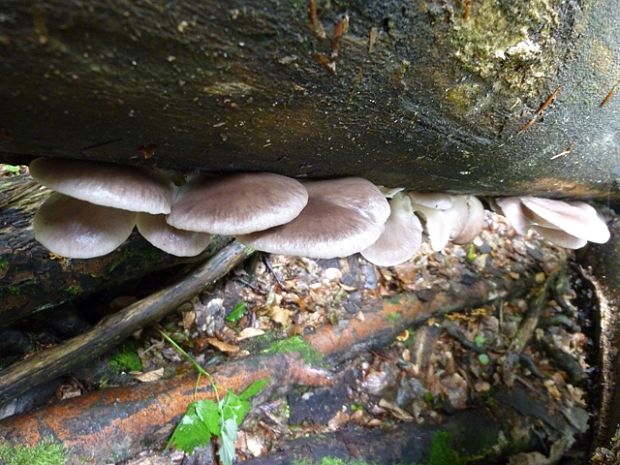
pixel 32 278
pixel 49 364
pixel 601 280
pixel 436 106
pixel 119 422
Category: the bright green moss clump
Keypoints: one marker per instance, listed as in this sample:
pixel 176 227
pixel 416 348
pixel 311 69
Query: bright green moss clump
pixel 47 453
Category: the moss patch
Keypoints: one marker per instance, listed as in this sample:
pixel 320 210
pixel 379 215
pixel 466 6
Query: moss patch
pixel 294 344
pixel 125 359
pixel 511 43
pixel 47 453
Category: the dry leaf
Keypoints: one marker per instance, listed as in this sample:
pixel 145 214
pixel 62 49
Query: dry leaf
pixel 249 332
pixel 396 410
pixel 280 315
pixel 150 376
pixel 221 345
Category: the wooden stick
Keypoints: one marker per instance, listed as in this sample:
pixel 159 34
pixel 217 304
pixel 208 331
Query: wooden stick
pixel 47 365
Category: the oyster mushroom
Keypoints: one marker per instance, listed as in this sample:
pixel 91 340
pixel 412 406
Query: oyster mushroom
pixel 169 239
pixel 342 217
pixel 237 204
pixel 118 186
pixel 73 228
pixel 401 237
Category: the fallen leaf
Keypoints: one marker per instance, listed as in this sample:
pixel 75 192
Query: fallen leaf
pixel 221 345
pixel 396 410
pixel 247 333
pixel 150 376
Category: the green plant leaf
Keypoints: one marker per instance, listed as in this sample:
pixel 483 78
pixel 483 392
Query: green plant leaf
pixel 253 389
pixel 191 432
pixel 238 311
pixel 234 407
pixel 209 414
pixel 480 340
pixel 483 359
pixel 227 442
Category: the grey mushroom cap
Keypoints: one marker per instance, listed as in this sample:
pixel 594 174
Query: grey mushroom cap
pixel 171 240
pixel 401 237
pixel 237 204
pixel 342 217
pixel 118 186
pixel 73 228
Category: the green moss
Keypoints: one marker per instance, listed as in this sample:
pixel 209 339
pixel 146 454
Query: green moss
pixel 441 453
pixel 3 264
pixel 47 453
pixel 394 317
pixel 75 290
pixel 15 290
pixel 125 359
pixel 294 344
pixel 508 42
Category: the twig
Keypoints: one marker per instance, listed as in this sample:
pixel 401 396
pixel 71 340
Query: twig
pixel 525 332
pixel 49 364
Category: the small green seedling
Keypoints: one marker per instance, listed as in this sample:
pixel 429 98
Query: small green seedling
pixel 238 312
pixel 205 419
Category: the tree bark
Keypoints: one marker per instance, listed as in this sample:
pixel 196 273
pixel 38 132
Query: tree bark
pixel 602 264
pixel 481 97
pixel 32 278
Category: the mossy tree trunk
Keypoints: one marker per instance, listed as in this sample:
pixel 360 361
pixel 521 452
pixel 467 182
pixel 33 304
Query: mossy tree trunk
pixel 485 97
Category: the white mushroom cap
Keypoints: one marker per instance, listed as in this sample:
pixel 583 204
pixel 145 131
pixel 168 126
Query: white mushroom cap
pixel 561 238
pixel 171 240
pixel 76 229
pixel 401 237
pixel 118 186
pixel 473 223
pixel 513 210
pixel 237 204
pixel 567 224
pixel 343 217
pixel 436 200
pixel 578 219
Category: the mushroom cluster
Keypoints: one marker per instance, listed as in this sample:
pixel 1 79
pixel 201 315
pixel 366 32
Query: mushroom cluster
pixel 567 224
pixel 97 205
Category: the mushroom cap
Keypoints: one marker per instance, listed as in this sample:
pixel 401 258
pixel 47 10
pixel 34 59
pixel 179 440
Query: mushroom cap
pixel 118 186
pixel 561 238
pixel 237 204
pixel 436 200
pixel 171 240
pixel 473 223
pixel 513 210
pixel 342 217
pixel 401 237
pixel 73 228
pixel 578 219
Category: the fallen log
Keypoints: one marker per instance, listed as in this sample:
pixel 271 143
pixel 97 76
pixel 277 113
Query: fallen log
pixel 49 364
pixel 117 423
pixel 31 278
pixel 489 433
pixel 477 97
pixel 382 321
